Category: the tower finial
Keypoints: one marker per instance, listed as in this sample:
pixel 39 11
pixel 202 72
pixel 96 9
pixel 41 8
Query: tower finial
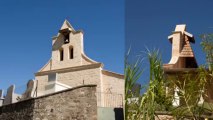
pixel 66 25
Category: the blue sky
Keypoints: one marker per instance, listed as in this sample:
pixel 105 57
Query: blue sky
pixel 148 23
pixel 27 26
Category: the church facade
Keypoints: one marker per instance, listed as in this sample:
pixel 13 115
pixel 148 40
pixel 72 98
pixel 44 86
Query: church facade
pixel 70 67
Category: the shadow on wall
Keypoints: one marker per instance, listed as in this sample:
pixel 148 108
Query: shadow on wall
pixel 119 114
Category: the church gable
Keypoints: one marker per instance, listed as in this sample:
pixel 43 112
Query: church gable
pixel 67 49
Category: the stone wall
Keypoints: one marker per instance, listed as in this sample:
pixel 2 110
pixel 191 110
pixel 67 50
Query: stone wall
pixel 75 76
pixel 113 89
pixel 164 117
pixel 18 111
pixel 80 77
pixel 112 82
pixel 76 103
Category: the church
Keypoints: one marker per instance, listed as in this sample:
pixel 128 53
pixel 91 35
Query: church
pixel 69 86
pixel 70 67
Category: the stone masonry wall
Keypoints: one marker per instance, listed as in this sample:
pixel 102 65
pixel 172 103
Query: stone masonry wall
pixel 80 77
pixel 18 111
pixel 77 103
pixel 73 78
pixel 113 89
pixel 113 83
pixel 164 117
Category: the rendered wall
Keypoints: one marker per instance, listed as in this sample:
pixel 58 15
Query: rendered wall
pixel 105 113
pixel 77 103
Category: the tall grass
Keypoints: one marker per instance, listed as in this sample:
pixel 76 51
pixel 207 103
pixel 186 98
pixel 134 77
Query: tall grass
pixel 191 86
pixel 133 72
pixel 155 98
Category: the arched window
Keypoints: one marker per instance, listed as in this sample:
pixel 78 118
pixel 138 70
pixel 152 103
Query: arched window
pixel 71 52
pixel 61 54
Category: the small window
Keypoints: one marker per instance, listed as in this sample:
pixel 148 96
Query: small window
pixel 71 53
pixel 61 52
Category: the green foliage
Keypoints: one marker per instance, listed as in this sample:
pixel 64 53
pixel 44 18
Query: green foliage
pixel 207 45
pixel 158 81
pixel 143 107
pixel 191 85
pixel 133 72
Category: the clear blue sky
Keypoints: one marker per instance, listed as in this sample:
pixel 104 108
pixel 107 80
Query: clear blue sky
pixel 27 26
pixel 149 23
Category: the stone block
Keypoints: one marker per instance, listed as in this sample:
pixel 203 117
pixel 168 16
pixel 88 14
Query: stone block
pixel 30 91
pixel 11 97
pixel 1 97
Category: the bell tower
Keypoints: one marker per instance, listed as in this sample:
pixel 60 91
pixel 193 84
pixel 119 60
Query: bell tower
pixel 67 47
pixel 182 53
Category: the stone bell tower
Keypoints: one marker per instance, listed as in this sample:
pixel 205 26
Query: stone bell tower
pixel 67 49
pixel 182 53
